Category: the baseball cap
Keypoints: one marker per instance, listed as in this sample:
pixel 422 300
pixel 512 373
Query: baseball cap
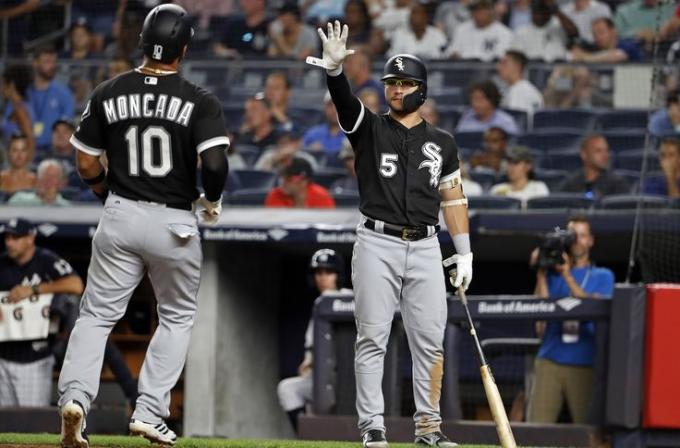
pixel 298 167
pixel 519 154
pixel 19 227
pixel 474 4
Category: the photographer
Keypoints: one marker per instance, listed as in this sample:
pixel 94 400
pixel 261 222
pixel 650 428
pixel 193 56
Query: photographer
pixel 564 365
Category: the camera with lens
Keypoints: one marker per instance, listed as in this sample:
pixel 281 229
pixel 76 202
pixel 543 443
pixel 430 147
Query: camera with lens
pixel 553 245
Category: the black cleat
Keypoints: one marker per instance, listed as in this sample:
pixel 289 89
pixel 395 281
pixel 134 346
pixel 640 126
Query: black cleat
pixel 436 438
pixel 374 438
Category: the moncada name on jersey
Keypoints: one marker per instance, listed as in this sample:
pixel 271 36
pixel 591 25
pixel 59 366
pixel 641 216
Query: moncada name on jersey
pixel 126 107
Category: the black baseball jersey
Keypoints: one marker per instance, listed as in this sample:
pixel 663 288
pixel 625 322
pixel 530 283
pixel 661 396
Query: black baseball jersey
pixel 152 128
pixel 45 266
pixel 398 169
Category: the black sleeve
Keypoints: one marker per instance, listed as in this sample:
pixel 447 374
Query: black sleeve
pixel 89 136
pixel 350 110
pixel 209 129
pixel 214 170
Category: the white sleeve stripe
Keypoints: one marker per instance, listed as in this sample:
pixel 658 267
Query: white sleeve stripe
pixel 356 125
pixel 215 141
pixel 448 177
pixel 85 148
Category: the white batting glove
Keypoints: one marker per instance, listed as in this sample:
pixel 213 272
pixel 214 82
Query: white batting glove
pixel 334 47
pixel 210 215
pixel 461 275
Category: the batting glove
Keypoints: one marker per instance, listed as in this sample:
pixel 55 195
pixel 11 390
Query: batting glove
pixel 461 275
pixel 334 47
pixel 210 215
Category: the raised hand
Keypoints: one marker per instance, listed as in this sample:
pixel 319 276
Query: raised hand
pixel 334 47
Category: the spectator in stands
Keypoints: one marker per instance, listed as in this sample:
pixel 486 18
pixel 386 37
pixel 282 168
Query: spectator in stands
pixel 520 184
pixel 16 13
pixel 19 115
pixel 277 93
pixel 51 179
pixel 61 149
pixel 357 68
pixel 607 48
pixel 126 30
pixel 327 268
pixel 637 19
pixel 428 112
pixel 492 155
pixel 234 158
pixel 101 15
pixel 666 183
pixel 547 36
pixel 570 86
pixel 80 41
pixel 390 17
pixel 666 122
pixel 520 93
pixel 483 38
pixel 364 36
pixel 289 36
pixel 470 187
pixel 258 127
pixel 321 12
pixel 298 190
pixel 50 99
pixel 26 270
pixel 204 10
pixel 483 112
pixel 348 182
pixel 372 100
pixel 326 137
pixel 564 365
pixel 119 65
pixel 514 13
pixel 595 179
pixel 246 35
pixel 288 147
pixel 18 175
pixel 419 37
pixel 80 76
pixel 583 12
pixel 449 15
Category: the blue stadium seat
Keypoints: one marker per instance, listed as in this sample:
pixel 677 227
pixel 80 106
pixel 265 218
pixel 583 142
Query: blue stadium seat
pixel 248 196
pixel 610 120
pixel 448 117
pixel 632 160
pixel 447 95
pixel 625 140
pixel 632 177
pixel 485 178
pixel 551 139
pixel 70 193
pixel 552 178
pixel 305 117
pixel 233 115
pixel 346 198
pixel 250 153
pixel 469 140
pixel 250 179
pixel 494 203
pixel 560 201
pixel 578 119
pixel 630 201
pixel 521 118
pixel 569 159
pixel 326 177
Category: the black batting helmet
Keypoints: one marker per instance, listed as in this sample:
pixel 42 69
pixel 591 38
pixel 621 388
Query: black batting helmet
pixel 327 259
pixel 407 66
pixel 166 31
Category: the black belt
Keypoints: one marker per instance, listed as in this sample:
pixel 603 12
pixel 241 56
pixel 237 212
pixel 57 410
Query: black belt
pixel 176 205
pixel 405 233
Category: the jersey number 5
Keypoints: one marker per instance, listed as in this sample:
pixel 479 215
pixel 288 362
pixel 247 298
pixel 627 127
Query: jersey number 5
pixel 388 165
pixel 164 163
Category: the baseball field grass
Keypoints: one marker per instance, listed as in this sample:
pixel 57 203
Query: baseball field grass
pixel 50 440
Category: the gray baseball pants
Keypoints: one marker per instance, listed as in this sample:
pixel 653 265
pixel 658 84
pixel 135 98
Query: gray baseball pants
pixel 133 238
pixel 389 274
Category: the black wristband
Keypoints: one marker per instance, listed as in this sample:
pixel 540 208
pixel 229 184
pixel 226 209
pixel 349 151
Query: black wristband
pixel 99 178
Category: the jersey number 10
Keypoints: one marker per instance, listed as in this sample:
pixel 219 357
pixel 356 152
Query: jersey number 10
pixel 164 163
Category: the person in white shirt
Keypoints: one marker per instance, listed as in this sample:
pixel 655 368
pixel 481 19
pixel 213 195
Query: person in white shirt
pixel 520 94
pixel 519 171
pixel 390 17
pixel 483 38
pixel 419 38
pixel 548 34
pixel 583 12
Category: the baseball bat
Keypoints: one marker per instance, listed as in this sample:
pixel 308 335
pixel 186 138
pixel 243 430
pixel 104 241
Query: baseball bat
pixel 492 395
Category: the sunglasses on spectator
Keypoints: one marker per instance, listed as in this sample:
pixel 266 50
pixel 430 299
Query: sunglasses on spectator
pixel 401 82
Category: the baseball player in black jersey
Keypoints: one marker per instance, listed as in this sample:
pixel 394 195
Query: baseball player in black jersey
pixel 153 125
pixel 406 170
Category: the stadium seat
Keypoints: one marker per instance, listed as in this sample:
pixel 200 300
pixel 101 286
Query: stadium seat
pixel 494 203
pixel 321 157
pixel 551 139
pixel 248 196
pixel 633 178
pixel 625 140
pixel 346 198
pixel 630 201
pixel 446 95
pixel 305 117
pixel 577 119
pixel 483 177
pixel 521 118
pixel 552 178
pixel 448 117
pixel 569 159
pixel 632 160
pixel 561 201
pixel 233 115
pixel 469 140
pixel 250 153
pixel 610 120
pixel 250 179
pixel 70 193
pixel 326 177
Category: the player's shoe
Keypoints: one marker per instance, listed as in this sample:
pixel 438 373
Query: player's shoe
pixel 374 438
pixel 73 426
pixel 158 433
pixel 436 438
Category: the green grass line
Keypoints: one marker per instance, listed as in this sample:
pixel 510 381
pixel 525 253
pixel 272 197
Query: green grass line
pixel 133 442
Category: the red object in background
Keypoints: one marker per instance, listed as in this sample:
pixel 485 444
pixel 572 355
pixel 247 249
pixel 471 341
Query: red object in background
pixel 662 357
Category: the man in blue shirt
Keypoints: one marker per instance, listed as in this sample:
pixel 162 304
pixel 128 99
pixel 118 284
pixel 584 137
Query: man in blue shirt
pixel 50 99
pixel 666 122
pixel 564 367
pixel 666 183
pixel 326 137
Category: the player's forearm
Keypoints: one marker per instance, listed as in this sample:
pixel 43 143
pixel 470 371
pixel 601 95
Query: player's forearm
pixel 71 284
pixel 456 219
pixel 214 171
pixel 92 172
pixel 348 106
